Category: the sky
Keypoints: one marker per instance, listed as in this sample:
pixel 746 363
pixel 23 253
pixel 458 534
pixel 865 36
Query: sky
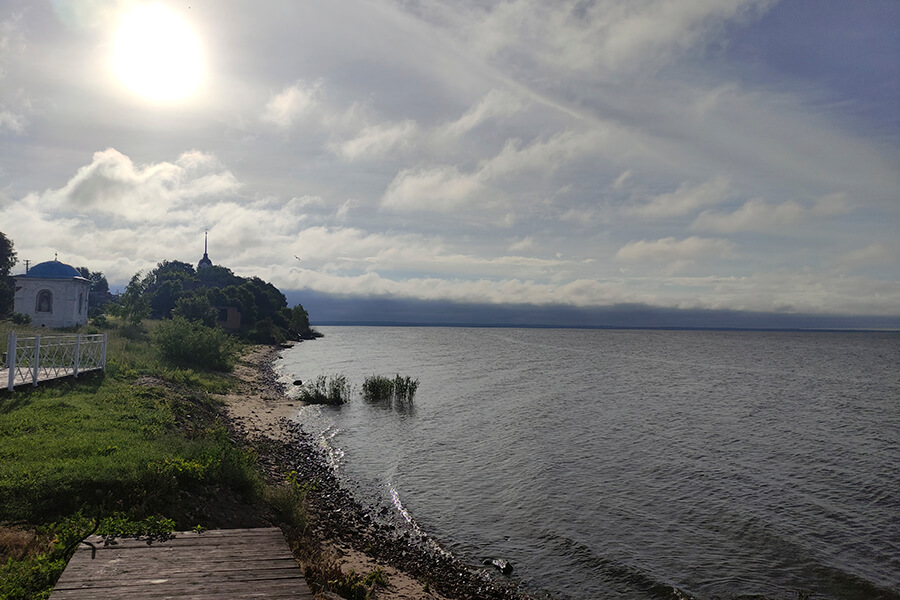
pixel 696 155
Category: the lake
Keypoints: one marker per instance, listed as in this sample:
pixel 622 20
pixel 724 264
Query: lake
pixel 633 464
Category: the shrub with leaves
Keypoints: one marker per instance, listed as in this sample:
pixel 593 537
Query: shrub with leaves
pixel 186 343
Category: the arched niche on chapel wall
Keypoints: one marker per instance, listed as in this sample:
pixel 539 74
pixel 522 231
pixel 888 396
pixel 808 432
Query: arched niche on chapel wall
pixel 43 302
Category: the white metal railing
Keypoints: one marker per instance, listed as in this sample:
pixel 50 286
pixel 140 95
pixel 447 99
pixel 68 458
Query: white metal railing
pixel 31 359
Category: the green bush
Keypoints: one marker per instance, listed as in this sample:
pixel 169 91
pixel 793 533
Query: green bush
pixel 182 342
pixel 21 318
pixel 197 308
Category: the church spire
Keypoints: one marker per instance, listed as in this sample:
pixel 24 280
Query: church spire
pixel 205 262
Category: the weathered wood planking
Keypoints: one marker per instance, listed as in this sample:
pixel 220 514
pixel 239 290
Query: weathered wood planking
pixel 222 563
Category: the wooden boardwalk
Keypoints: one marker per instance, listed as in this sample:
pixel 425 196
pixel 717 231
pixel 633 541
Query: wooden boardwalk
pixel 223 564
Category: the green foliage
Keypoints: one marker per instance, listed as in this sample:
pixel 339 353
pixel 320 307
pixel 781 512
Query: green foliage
pixel 358 587
pixel 133 447
pixel 298 322
pixel 351 585
pixel 7 255
pixel 217 276
pixel 69 531
pixel 176 288
pixel 405 388
pixel 170 270
pixel 187 343
pixel 7 261
pixel 30 578
pixel 196 307
pixel 378 388
pixel 133 305
pixel 334 390
pixel 20 318
pixel 289 501
pixel 266 332
pixel 164 297
pixel 33 576
pixel 97 279
pixel 100 320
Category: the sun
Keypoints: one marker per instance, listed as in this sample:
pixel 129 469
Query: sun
pixel 157 55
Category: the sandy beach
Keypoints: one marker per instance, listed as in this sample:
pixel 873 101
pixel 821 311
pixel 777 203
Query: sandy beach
pixel 350 537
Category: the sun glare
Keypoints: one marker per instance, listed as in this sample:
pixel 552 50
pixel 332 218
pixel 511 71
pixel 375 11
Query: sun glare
pixel 157 56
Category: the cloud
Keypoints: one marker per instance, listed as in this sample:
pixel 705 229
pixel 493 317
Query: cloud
pixel 496 103
pixel 377 141
pixel 758 215
pixel 113 185
pixel 446 188
pixel 526 243
pixel 117 216
pixel 869 256
pixel 577 293
pixel 670 249
pixel 12 41
pixel 685 200
pixel 540 157
pixel 605 36
pixel 287 106
pixel 11 121
pixel 440 189
pixel 195 159
pixel 620 181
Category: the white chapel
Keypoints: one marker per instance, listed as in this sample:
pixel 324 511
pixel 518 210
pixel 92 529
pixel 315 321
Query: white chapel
pixel 53 294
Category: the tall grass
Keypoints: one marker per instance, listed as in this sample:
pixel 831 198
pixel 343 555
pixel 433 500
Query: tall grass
pixel 333 390
pixel 401 390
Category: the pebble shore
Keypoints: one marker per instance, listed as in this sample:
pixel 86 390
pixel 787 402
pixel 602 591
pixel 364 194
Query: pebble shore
pixel 340 519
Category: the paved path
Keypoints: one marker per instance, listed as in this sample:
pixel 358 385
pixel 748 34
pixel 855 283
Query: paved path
pixel 223 564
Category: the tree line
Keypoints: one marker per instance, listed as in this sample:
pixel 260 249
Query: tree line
pixel 176 289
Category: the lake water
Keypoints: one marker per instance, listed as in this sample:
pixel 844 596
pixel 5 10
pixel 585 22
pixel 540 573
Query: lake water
pixel 631 464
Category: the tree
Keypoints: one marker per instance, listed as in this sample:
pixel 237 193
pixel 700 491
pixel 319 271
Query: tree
pixel 7 255
pixel 164 297
pixel 97 279
pixel 299 320
pixel 175 288
pixel 7 262
pixel 133 304
pixel 217 276
pixel 196 307
pixel 269 300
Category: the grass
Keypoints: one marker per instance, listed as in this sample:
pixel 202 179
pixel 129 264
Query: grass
pixel 400 390
pixel 140 449
pixel 334 390
pixel 128 449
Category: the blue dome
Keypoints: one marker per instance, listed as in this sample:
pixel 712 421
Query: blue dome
pixel 53 269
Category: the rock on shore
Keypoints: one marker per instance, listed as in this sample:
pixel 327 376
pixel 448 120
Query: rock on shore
pixel 347 531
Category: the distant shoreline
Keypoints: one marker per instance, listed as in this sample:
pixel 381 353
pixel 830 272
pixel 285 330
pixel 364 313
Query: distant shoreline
pixel 599 327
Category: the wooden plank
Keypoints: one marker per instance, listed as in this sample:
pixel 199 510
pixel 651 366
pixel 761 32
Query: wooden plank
pixel 236 563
